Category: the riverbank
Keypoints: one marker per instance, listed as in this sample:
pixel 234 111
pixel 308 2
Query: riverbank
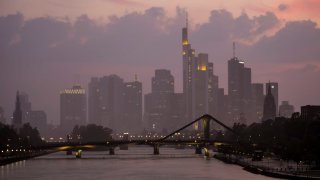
pixel 271 170
pixel 4 160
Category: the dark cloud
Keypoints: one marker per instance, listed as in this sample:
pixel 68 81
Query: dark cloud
pixel 9 30
pixel 42 55
pixel 297 41
pixel 283 7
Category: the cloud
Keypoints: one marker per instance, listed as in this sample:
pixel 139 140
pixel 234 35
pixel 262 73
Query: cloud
pixel 283 7
pixel 10 26
pixel 125 2
pixel 297 41
pixel 42 55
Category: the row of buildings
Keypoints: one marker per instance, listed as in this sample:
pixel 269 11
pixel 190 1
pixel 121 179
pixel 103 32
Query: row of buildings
pixel 118 104
pixel 24 113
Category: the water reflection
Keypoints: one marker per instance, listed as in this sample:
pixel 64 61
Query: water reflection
pixel 136 163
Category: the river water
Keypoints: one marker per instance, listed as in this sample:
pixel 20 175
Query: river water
pixel 135 163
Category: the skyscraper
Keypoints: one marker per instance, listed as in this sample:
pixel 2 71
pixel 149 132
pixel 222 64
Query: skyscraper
pixel 275 92
pixel 257 102
pixel 310 112
pixel 73 108
pixel 239 89
pixel 162 82
pixel 38 119
pixel 188 64
pixel 285 109
pixel 106 101
pixel 199 82
pixel 132 107
pixel 2 118
pixel 269 106
pixel 25 105
pixel 164 109
pixel 17 114
pixel 158 103
pixel 200 86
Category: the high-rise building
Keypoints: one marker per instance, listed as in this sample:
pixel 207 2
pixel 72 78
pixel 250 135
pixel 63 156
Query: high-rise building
pixel 213 81
pixel 38 119
pixel 269 106
pixel 2 118
pixel 73 108
pixel 285 109
pixel 199 82
pixel 132 107
pixel 239 89
pixel 200 86
pixel 158 103
pixel 25 105
pixel 162 82
pixel 310 112
pixel 188 64
pixel 222 106
pixel 164 109
pixel 257 102
pixel 106 101
pixel 17 114
pixel 275 92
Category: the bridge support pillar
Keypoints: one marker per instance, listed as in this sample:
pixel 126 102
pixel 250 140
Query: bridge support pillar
pixel 156 149
pixel 206 152
pixel 198 149
pixel 206 128
pixel 111 151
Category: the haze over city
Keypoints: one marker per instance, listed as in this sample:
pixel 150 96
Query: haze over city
pixel 133 89
pixel 45 50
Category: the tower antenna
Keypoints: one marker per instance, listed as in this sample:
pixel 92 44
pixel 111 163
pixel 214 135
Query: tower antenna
pixel 187 20
pixel 234 49
pixel 135 77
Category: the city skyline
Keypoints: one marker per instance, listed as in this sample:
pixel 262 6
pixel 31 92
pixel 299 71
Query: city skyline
pixel 159 89
pixel 22 72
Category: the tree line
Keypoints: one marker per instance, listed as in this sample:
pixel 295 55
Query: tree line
pixel 292 138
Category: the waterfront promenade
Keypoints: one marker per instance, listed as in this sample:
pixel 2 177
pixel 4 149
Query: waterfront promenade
pixel 271 166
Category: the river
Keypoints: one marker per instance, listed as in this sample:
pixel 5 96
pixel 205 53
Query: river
pixel 135 163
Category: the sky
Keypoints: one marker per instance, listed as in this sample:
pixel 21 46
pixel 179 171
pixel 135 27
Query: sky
pixel 49 45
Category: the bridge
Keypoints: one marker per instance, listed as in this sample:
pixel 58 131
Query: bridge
pixel 199 144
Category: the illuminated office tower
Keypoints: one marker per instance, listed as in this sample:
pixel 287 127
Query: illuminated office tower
pixel 213 94
pixel 158 103
pixel 73 107
pixel 239 88
pixel 132 107
pixel 257 102
pixel 188 64
pixel 200 86
pixel 106 101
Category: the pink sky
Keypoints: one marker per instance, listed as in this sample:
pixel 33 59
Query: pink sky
pixel 43 55
pixel 199 10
